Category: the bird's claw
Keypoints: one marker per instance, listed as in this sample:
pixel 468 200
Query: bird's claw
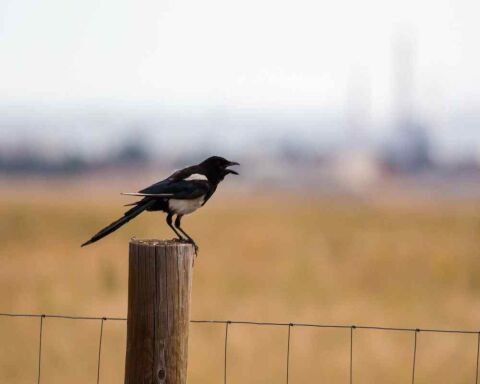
pixel 187 241
pixel 195 246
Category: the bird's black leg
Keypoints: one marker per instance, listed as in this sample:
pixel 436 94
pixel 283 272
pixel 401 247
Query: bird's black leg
pixel 177 224
pixel 169 222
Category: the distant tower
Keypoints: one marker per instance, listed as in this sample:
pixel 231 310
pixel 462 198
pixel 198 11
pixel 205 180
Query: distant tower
pixel 357 168
pixel 358 108
pixel 403 64
pixel 411 146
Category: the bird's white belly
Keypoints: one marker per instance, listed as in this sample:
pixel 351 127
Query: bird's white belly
pixel 184 207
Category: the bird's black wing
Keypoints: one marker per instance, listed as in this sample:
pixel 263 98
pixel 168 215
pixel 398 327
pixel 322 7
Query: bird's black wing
pixel 178 189
pixel 184 173
pixel 168 185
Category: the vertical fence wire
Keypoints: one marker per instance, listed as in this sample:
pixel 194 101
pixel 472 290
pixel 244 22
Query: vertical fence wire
pixel 351 353
pixel 225 352
pixel 40 349
pixel 288 349
pixel 414 355
pixel 100 349
pixel 478 356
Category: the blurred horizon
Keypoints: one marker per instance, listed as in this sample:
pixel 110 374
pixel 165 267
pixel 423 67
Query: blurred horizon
pixel 392 80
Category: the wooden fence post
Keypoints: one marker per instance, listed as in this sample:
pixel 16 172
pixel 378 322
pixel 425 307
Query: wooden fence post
pixel 159 286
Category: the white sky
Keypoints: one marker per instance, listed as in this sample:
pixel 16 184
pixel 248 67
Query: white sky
pixel 248 53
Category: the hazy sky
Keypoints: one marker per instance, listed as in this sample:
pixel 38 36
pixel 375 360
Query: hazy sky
pixel 246 54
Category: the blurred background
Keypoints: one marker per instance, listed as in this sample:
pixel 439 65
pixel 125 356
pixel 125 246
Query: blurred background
pixel 357 127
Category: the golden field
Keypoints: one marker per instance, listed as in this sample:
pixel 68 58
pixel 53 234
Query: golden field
pixel 402 263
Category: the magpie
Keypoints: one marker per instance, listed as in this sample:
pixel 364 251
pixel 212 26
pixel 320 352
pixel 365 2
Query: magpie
pixel 180 194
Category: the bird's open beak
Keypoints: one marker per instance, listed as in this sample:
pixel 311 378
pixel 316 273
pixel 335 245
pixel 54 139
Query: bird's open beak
pixel 230 163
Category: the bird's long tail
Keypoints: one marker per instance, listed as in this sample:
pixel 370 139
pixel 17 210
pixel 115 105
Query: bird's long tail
pixel 129 215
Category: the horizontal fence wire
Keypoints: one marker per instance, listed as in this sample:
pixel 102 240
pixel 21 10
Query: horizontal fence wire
pixel 228 323
pixel 260 323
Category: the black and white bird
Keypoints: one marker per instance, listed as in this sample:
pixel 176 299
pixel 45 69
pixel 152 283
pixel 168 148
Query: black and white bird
pixel 180 194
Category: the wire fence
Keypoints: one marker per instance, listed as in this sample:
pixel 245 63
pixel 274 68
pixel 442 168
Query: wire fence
pixel 289 335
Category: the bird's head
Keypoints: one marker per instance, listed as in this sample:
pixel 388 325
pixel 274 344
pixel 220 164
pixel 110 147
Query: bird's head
pixel 216 167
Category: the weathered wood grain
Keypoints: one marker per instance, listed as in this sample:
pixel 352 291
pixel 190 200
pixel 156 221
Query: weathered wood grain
pixel 159 290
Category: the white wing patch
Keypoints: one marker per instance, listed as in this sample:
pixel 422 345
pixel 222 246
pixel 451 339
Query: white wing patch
pixel 196 176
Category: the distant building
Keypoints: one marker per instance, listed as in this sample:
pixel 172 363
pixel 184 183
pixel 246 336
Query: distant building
pixel 410 148
pixel 356 170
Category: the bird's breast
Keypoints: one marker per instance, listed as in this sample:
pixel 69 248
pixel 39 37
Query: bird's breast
pixel 185 206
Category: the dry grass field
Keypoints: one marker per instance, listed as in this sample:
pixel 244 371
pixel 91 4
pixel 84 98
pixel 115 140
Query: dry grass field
pixel 282 258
